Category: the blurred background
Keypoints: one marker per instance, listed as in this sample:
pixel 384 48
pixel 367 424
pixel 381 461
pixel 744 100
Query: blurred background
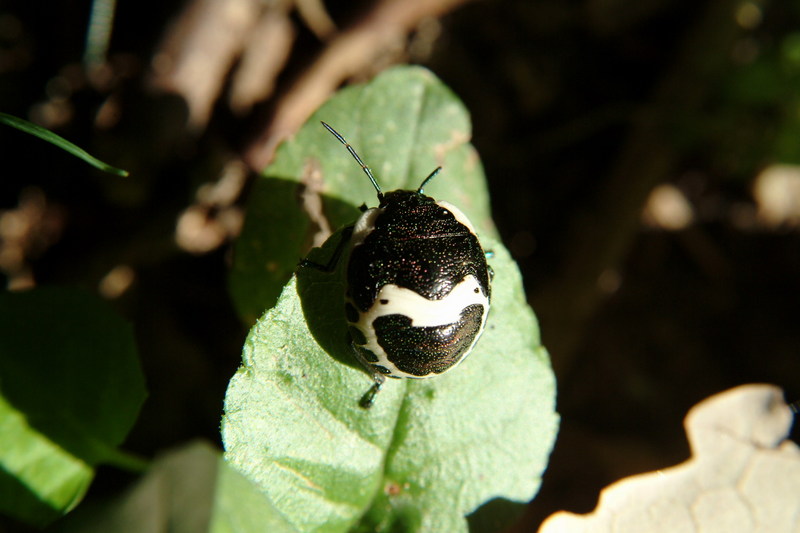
pixel 643 158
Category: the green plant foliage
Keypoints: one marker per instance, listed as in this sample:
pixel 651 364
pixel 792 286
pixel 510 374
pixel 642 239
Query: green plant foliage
pixel 70 390
pixel 404 124
pixel 429 452
pixel 188 489
pixel 52 138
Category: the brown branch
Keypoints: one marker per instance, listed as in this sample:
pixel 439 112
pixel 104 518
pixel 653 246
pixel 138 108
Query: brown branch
pixel 351 52
pixel 203 44
pixel 263 59
pixel 316 18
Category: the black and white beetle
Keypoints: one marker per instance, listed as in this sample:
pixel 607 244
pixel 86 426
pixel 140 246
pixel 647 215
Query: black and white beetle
pixel 418 285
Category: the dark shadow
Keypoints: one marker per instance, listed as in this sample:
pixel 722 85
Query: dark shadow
pixel 322 298
pixel 495 515
pixel 277 233
pixel 68 364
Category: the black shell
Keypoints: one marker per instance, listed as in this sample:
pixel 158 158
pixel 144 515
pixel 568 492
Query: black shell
pixel 416 244
pixel 419 245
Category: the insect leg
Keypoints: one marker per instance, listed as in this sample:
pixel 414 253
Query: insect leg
pixel 330 266
pixel 369 398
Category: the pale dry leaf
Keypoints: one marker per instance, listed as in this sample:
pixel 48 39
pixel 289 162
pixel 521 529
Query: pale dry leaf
pixel 743 476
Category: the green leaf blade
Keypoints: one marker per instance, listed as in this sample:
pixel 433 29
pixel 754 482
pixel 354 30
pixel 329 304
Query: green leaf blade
pixel 56 140
pixel 184 490
pixel 433 449
pixel 35 469
pixel 305 450
pixel 429 452
pixel 71 390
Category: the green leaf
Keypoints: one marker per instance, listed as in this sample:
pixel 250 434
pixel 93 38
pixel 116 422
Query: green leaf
pixel 70 390
pixel 52 138
pixel 240 507
pixel 429 452
pixel 403 124
pixel 188 489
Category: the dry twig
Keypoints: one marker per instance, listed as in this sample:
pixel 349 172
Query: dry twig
pixel 351 52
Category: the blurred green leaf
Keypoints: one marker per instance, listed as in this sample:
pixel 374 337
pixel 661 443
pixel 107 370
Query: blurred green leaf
pixel 429 452
pixel 52 138
pixel 790 51
pixel 70 390
pixel 188 489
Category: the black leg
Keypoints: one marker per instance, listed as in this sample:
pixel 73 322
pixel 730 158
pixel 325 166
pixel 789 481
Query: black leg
pixel 330 266
pixel 369 398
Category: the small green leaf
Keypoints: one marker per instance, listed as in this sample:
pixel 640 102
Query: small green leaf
pixel 52 138
pixel 188 489
pixel 429 452
pixel 70 390
pixel 403 124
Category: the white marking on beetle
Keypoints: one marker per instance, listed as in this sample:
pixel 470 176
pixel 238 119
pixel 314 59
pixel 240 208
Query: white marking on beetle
pixel 458 214
pixel 364 225
pixel 422 312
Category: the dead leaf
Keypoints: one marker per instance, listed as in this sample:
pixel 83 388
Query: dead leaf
pixel 743 476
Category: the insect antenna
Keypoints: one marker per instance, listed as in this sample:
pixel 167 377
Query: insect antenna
pixel 364 167
pixel 429 178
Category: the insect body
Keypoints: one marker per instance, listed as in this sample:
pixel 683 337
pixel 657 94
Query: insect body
pixel 418 285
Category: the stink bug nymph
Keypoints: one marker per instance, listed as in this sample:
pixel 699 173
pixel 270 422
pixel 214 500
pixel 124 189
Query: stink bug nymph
pixel 418 285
